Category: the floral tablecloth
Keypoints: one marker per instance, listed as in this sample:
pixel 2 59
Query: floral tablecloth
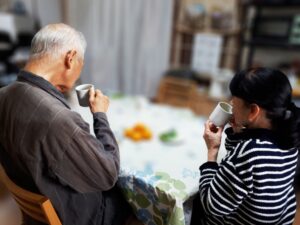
pixel 157 178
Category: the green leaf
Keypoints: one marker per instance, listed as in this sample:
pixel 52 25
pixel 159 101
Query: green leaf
pixel 164 186
pixel 178 184
pixel 142 201
pixel 157 220
pixel 163 198
pixel 180 195
pixel 156 210
pixel 162 175
pixel 168 136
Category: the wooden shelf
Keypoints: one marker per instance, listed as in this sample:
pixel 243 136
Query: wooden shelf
pixel 274 5
pixel 186 28
pixel 272 44
pixel 189 30
pixel 262 16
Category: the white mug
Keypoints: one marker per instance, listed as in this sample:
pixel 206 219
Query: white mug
pixel 83 95
pixel 221 114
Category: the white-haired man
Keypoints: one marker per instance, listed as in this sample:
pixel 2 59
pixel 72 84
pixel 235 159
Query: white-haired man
pixel 47 148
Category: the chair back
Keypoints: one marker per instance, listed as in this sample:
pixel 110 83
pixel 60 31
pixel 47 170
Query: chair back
pixel 34 205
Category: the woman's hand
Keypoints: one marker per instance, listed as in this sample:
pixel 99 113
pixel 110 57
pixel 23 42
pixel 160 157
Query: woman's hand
pixel 212 136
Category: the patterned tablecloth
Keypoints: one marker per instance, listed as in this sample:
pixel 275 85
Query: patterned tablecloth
pixel 157 178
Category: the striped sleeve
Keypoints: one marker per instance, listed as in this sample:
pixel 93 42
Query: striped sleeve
pixel 253 184
pixel 222 188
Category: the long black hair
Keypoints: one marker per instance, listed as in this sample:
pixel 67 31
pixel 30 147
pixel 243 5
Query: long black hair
pixel 271 90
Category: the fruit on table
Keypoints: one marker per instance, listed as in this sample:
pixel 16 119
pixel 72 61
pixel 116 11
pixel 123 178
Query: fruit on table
pixel 138 132
pixel 168 136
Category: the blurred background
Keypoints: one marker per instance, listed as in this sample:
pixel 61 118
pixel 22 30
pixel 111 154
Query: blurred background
pixel 180 52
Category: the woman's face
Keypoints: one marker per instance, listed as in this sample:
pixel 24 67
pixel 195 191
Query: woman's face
pixel 240 110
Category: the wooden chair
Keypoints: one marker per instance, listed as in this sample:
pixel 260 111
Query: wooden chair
pixel 34 205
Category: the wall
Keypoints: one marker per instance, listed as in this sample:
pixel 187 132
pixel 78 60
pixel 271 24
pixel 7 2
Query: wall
pixel 45 11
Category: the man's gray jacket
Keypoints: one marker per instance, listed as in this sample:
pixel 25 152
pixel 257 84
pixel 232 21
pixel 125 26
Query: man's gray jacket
pixel 46 147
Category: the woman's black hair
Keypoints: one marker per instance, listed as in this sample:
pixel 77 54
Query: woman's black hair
pixel 271 90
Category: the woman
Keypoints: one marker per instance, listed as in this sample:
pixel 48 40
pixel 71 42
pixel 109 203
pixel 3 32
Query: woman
pixel 253 184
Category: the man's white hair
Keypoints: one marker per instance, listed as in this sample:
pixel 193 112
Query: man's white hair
pixel 55 40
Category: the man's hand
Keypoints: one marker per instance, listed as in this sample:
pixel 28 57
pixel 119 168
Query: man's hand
pixel 212 136
pixel 98 101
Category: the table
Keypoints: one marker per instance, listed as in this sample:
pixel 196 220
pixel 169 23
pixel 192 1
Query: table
pixel 156 178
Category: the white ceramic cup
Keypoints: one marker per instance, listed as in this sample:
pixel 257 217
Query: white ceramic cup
pixel 221 114
pixel 82 92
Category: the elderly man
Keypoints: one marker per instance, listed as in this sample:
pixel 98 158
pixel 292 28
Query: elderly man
pixel 47 148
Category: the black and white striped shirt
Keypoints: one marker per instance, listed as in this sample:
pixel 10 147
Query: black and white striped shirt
pixel 253 184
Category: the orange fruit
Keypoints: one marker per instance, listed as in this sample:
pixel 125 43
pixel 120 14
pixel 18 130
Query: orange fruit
pixel 138 132
pixel 147 134
pixel 139 127
pixel 136 136
pixel 128 132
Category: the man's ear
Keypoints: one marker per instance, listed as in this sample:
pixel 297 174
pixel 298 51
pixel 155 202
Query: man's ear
pixel 69 58
pixel 254 112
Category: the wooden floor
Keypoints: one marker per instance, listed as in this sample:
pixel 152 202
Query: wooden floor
pixel 10 213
